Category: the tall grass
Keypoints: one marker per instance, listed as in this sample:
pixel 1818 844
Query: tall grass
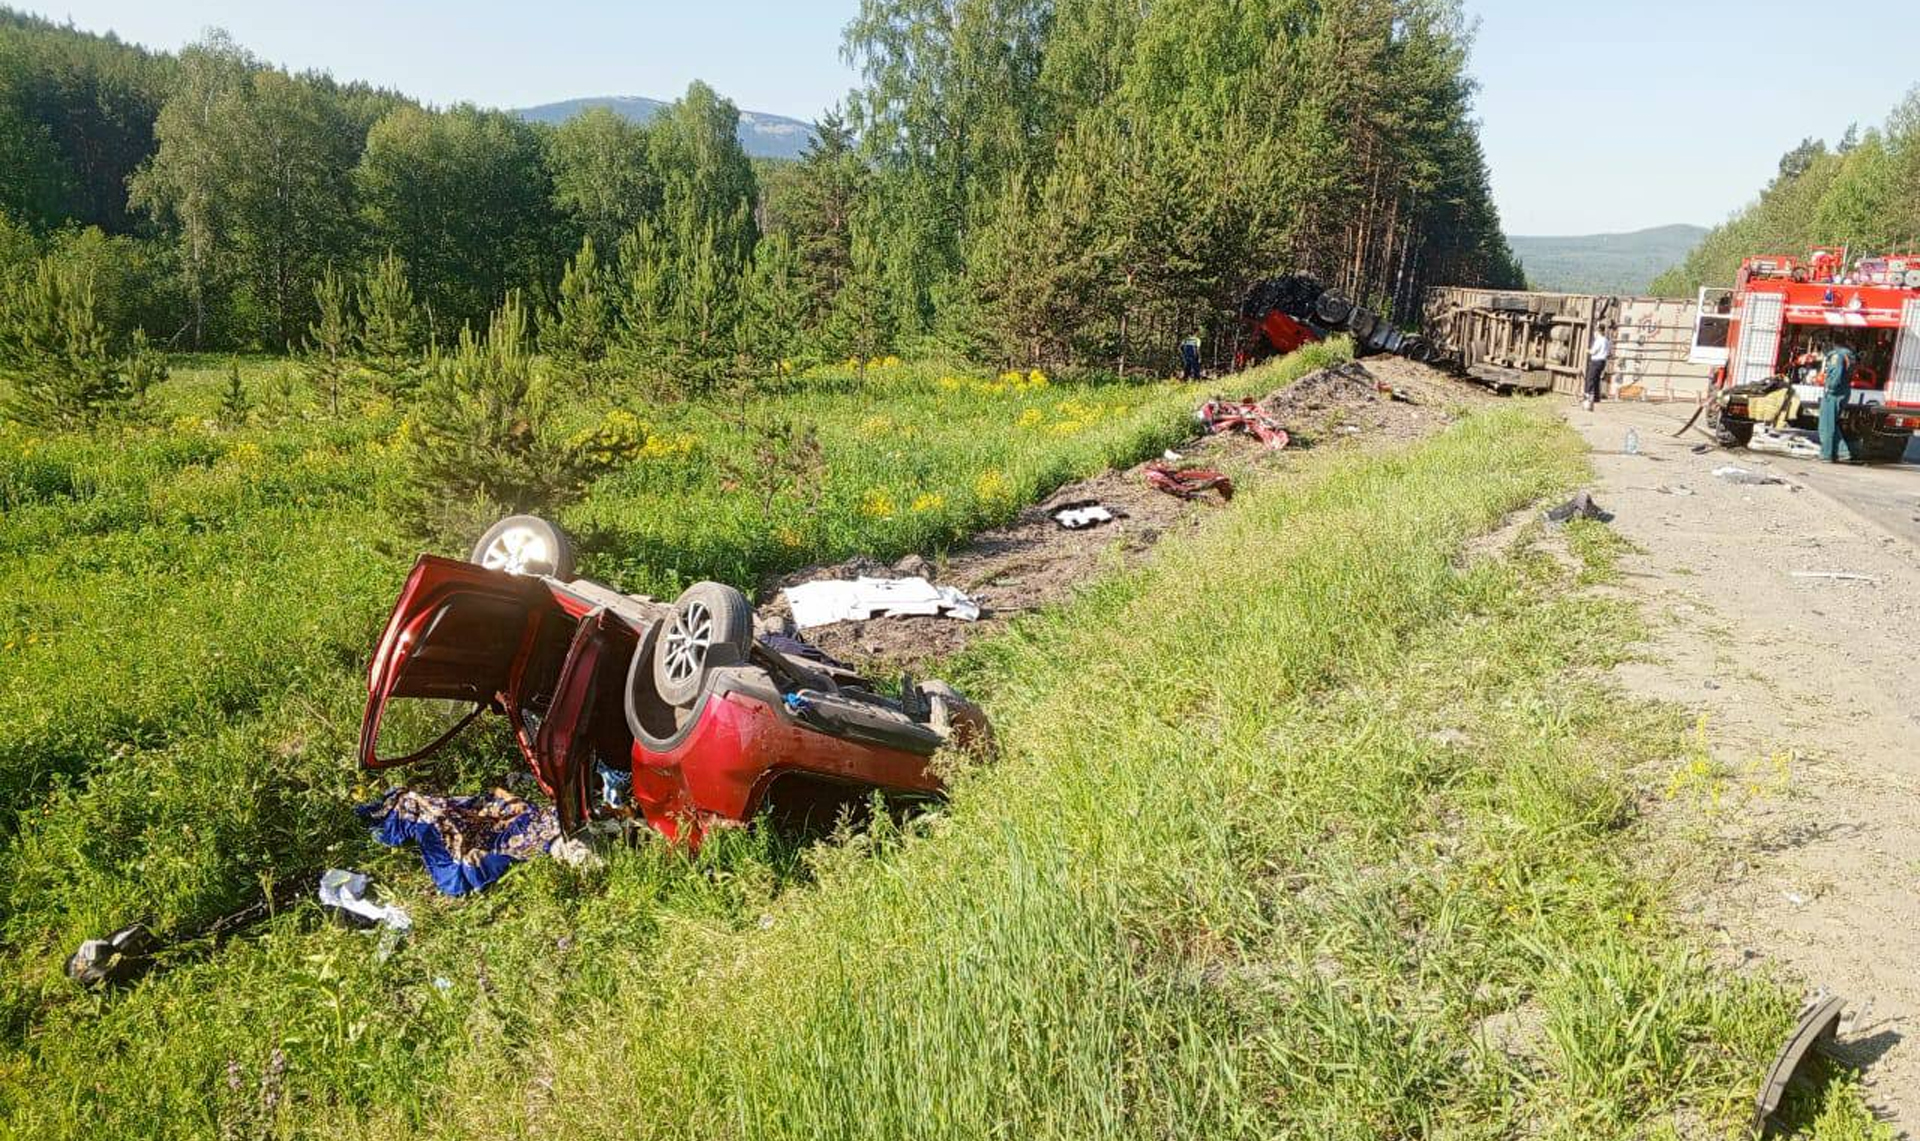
pixel 186 607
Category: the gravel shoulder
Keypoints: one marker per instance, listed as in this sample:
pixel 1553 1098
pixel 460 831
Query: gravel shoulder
pixel 1807 792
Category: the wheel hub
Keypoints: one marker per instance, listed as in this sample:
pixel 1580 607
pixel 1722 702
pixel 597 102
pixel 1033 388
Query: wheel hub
pixel 518 550
pixel 687 641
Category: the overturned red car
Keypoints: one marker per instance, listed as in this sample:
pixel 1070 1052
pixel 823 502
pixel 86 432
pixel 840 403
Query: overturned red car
pixel 624 706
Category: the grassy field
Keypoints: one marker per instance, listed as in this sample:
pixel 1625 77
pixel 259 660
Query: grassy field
pixel 1311 829
pixel 186 606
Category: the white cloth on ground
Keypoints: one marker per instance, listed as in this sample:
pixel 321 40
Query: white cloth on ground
pixel 836 600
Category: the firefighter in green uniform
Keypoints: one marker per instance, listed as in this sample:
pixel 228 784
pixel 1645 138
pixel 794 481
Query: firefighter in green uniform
pixel 1836 375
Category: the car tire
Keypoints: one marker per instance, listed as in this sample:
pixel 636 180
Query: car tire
pixel 525 544
pixel 711 627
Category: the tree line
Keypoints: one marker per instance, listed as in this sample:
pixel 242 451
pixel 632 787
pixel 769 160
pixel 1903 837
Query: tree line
pixel 1862 193
pixel 1069 182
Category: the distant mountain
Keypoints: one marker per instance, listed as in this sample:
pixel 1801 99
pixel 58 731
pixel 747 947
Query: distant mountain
pixel 1604 263
pixel 761 135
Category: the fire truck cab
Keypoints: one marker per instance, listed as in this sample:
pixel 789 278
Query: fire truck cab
pixel 1780 318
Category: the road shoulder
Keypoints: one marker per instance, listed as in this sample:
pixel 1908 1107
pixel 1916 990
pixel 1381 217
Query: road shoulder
pixel 1800 815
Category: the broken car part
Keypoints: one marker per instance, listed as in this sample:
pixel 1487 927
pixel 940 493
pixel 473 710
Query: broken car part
pixel 1818 1024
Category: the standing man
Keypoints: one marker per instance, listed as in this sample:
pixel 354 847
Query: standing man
pixel 1190 356
pixel 1836 373
pixel 1597 365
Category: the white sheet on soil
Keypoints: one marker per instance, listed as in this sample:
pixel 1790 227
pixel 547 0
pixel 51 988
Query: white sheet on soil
pixel 838 600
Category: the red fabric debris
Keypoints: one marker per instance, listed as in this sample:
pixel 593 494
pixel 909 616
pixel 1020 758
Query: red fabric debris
pixel 1188 483
pixel 1243 416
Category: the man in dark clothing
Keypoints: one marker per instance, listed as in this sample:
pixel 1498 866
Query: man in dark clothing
pixel 1836 374
pixel 1190 356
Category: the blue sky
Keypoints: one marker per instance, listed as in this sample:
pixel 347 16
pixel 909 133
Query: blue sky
pixel 1597 117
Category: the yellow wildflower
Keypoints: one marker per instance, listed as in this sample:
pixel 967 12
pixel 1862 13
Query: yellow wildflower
pixel 878 504
pixel 1031 417
pixel 790 537
pixel 992 487
pixel 1036 378
pixel 949 382
pixel 876 426
pixel 891 361
pixel 929 501
pixel 245 453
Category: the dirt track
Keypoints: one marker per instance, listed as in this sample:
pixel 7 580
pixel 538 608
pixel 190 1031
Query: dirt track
pixel 1812 708
pixel 1032 562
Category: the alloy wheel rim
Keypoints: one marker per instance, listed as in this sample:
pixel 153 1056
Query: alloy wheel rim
pixel 517 550
pixel 687 641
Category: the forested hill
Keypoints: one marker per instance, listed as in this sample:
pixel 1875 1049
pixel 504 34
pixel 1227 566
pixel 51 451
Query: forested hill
pixel 761 135
pixel 1604 263
pixel 1045 181
pixel 1862 193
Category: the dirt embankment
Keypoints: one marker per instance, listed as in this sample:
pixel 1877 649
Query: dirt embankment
pixel 1033 562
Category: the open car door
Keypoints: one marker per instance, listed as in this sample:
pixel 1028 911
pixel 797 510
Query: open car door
pixel 454 641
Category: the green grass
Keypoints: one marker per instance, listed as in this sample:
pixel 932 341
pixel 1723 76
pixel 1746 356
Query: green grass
pixel 1286 824
pixel 186 607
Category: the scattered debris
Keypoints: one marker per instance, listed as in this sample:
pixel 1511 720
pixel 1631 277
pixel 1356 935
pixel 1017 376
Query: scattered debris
pixel 1797 443
pixel 1221 416
pixel 1580 506
pixel 1819 1023
pixel 347 898
pixel 1190 482
pixel 575 853
pixel 1838 576
pixel 1083 513
pixel 1675 489
pixel 837 600
pixel 1734 474
pixel 115 959
pixel 466 842
pixel 1699 449
pixel 1172 456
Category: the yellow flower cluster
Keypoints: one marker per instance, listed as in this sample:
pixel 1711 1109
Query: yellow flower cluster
pixel 992 487
pixel 878 504
pixel 874 362
pixel 929 501
pixel 669 446
pixel 876 426
pixel 244 454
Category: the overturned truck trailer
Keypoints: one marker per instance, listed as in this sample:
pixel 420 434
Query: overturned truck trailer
pixel 1524 341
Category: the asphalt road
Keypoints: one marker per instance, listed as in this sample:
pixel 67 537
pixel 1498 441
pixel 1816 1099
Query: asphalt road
pixel 1886 495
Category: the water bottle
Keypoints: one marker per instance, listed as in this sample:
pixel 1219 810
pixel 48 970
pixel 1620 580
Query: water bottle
pixel 1633 442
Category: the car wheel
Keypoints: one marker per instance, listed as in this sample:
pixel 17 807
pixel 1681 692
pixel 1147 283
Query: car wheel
pixel 1333 308
pixel 525 544
pixel 711 627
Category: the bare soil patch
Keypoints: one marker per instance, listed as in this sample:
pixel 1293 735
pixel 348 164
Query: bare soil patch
pixel 1033 562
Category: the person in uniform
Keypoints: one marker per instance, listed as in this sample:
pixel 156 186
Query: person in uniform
pixel 1836 374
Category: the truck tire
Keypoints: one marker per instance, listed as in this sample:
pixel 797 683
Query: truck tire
pixel 1333 308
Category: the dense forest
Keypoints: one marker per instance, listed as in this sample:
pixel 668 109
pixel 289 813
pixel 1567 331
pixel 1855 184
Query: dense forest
pixel 1863 193
pixel 1048 181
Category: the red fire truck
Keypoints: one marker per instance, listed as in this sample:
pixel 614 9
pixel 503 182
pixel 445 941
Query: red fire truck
pixel 1782 314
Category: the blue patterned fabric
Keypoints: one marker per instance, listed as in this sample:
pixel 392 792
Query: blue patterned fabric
pixel 466 842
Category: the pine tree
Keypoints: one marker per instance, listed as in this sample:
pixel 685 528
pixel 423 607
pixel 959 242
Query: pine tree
pixel 773 311
pixel 578 337
pixel 483 439
pixel 55 357
pixel 331 337
pixel 860 323
pixel 233 401
pixel 391 331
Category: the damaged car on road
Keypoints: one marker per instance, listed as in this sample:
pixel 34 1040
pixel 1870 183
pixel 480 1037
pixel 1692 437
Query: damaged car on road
pixel 676 714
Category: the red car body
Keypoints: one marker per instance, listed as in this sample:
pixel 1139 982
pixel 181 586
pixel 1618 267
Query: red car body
pixel 567 664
